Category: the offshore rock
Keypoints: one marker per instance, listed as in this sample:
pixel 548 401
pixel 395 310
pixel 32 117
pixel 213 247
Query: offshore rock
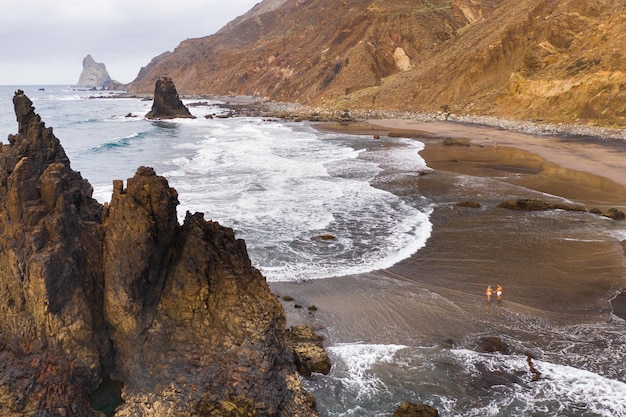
pixel 409 409
pixel 167 103
pixel 123 292
pixel 94 75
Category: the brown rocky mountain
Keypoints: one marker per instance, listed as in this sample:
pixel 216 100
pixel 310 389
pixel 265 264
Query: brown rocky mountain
pixel 557 61
pixel 90 293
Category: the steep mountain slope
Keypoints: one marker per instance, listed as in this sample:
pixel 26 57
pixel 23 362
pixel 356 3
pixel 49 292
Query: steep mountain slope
pixel 558 61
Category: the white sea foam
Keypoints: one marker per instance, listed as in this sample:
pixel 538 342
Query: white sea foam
pixel 561 389
pixel 103 193
pixel 352 363
pixel 280 187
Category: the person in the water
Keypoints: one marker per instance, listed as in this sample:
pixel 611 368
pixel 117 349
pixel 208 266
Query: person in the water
pixel 489 292
pixel 499 292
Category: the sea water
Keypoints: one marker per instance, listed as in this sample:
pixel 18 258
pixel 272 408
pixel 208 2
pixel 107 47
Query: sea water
pixel 301 199
pixel 282 186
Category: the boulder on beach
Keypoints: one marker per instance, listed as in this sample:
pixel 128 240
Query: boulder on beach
pixel 536 204
pixel 167 103
pixel 468 204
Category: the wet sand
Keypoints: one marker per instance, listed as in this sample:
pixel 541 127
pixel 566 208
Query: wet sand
pixel 564 164
pixel 554 271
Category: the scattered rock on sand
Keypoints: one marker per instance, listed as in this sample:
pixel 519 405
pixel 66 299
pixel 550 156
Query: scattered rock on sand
pixel 532 204
pixel 615 214
pixel 469 204
pixel 456 142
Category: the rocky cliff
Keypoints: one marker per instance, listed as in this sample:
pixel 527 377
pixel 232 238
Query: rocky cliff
pixel 557 61
pixel 89 293
pixel 94 75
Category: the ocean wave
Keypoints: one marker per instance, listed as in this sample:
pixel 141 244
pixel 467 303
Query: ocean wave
pixel 85 121
pixel 353 363
pixel 504 385
pixel 119 143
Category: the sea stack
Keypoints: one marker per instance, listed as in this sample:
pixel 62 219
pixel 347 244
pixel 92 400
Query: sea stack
pixel 91 294
pixel 167 104
pixel 94 75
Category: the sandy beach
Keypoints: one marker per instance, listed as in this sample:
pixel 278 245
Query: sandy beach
pixel 559 158
pixel 437 295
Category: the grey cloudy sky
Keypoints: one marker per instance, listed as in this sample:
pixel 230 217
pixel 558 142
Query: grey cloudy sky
pixel 45 41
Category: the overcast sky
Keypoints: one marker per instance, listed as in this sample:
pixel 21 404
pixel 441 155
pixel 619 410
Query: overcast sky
pixel 45 41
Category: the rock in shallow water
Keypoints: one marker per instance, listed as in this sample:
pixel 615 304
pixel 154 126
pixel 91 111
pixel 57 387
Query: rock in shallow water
pixel 167 104
pixel 408 409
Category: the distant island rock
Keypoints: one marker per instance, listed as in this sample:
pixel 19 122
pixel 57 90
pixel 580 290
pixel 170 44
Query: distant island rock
pixel 94 75
pixel 167 103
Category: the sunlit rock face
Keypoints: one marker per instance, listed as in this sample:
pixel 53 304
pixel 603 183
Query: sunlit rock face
pixel 554 61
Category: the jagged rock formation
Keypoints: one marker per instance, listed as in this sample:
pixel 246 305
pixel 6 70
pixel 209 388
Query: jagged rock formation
pixel 167 103
pixel 94 75
pixel 53 340
pixel 309 353
pixel 557 61
pixel 177 313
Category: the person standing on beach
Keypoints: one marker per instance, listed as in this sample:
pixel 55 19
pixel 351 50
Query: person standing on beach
pixel 499 292
pixel 489 292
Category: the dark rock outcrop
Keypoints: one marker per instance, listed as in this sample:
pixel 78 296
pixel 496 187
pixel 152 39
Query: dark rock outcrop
pixel 468 204
pixel 491 344
pixel 536 204
pixel 308 351
pixel 409 409
pixel 615 214
pixel 89 293
pixel 94 75
pixel 167 103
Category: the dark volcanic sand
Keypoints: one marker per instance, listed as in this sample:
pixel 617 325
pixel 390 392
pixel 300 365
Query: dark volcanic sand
pixel 558 267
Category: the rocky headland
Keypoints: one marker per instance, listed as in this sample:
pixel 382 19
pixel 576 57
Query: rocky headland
pixel 93 294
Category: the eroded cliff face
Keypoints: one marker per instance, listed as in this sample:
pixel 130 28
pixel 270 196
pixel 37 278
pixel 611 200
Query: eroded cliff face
pixel 558 61
pixel 87 292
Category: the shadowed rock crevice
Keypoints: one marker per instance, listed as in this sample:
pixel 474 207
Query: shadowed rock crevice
pixel 122 291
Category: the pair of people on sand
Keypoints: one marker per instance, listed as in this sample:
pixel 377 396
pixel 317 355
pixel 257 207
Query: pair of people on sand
pixel 490 291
